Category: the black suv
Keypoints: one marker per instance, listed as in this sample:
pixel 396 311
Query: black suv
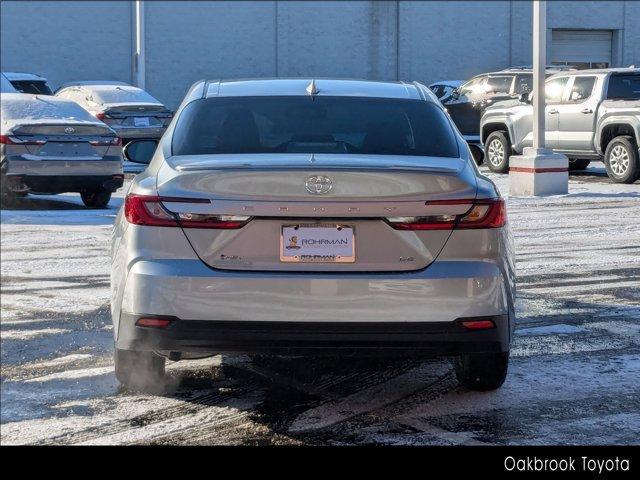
pixel 468 101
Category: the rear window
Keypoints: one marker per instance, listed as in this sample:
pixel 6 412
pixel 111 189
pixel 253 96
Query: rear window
pixel 32 86
pixel 625 86
pixel 302 124
pixel 124 94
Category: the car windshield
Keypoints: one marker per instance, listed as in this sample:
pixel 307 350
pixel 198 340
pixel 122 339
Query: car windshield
pixel 473 86
pixel 626 86
pixel 302 124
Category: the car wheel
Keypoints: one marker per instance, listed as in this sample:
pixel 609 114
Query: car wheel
pixel 621 160
pixel 139 370
pixel 578 164
pixel 96 198
pixel 9 197
pixel 497 151
pixel 482 372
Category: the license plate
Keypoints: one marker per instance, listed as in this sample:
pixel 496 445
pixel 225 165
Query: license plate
pixel 141 121
pixel 66 149
pixel 317 243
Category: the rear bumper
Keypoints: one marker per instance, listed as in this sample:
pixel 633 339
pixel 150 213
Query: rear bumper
pixel 316 338
pixel 64 183
pixel 106 166
pixel 218 310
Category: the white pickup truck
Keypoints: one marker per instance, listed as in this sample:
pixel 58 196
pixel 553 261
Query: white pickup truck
pixel 589 115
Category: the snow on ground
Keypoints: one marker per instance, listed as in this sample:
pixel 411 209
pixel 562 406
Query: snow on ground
pixel 573 376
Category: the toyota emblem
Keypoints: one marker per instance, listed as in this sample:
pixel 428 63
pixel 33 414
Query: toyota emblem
pixel 318 184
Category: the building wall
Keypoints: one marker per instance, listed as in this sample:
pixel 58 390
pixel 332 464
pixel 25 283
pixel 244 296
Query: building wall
pixel 186 41
pixel 67 40
pixel 189 41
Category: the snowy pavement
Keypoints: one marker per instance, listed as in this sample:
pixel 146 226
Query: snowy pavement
pixel 574 376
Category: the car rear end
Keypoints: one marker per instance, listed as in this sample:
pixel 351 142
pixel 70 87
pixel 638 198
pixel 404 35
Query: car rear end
pixel 131 112
pixel 53 146
pixel 374 248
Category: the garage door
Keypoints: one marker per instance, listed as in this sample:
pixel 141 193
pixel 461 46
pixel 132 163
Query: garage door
pixel 581 48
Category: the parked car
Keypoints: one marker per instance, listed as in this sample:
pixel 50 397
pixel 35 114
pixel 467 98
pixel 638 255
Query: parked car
pixel 29 83
pixel 5 85
pixel 468 102
pixel 293 216
pixel 444 88
pixel 589 115
pixel 130 111
pixel 51 145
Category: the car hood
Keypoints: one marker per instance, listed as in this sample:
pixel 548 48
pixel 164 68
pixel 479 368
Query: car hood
pixel 505 104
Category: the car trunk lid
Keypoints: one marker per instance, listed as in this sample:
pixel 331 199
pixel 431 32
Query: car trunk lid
pixel 137 115
pixel 62 141
pixel 326 198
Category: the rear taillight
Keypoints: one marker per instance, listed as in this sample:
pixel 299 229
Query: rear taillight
pixel 149 211
pixel 490 213
pixel 107 142
pixel 102 115
pixel 8 140
pixel 481 214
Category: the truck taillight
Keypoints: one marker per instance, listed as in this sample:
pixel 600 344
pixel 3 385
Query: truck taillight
pixel 149 210
pixel 490 213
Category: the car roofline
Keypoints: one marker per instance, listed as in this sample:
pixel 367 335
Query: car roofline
pixel 298 86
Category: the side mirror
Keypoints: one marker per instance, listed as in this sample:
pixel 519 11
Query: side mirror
pixel 140 151
pixel 455 93
pixel 525 97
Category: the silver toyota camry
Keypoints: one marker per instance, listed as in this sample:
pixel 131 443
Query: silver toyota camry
pixel 312 217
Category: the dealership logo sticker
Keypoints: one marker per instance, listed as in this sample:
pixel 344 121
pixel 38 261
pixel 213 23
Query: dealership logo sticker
pixel 293 243
pixel 318 184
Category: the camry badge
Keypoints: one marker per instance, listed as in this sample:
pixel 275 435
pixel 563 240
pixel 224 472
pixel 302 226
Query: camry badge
pixel 69 130
pixel 318 184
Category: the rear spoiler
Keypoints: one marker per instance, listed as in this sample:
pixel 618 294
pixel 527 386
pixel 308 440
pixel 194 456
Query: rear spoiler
pixel 137 108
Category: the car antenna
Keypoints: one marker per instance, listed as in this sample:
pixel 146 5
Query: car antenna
pixel 312 89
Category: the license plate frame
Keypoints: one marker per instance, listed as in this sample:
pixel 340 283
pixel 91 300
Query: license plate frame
pixel 301 253
pixel 141 122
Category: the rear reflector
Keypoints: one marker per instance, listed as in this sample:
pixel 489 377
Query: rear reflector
pixel 478 324
pixel 489 213
pixel 149 210
pixel 153 322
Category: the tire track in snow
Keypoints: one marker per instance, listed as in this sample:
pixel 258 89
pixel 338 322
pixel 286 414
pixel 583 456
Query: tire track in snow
pixel 176 413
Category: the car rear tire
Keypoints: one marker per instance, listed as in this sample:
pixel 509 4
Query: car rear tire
pixel 621 160
pixel 139 370
pixel 497 151
pixel 482 372
pixel 578 164
pixel 95 198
